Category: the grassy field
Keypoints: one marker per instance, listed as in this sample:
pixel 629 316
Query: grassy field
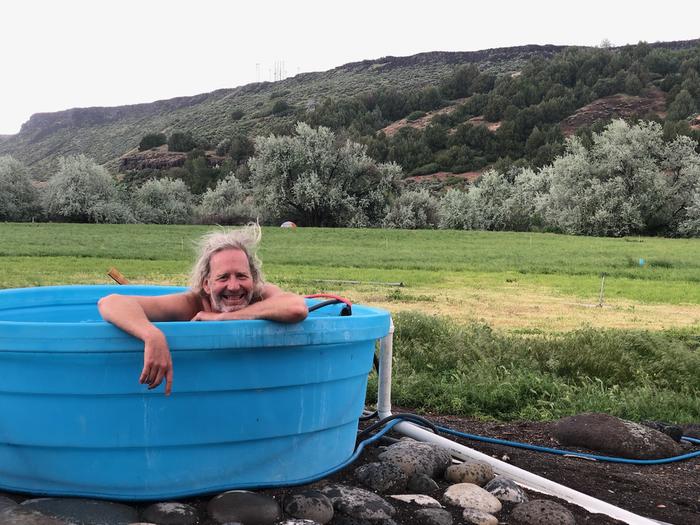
pixel 521 334
pixel 518 282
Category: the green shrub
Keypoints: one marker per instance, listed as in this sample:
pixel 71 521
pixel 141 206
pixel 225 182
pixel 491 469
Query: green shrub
pixel 415 115
pixel 476 371
pixel 280 106
pixel 152 140
pixel 181 141
pixel 237 114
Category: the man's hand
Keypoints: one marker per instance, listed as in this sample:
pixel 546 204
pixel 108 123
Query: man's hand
pixel 208 316
pixel 157 362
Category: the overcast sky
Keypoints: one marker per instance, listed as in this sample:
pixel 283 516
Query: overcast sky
pixel 72 53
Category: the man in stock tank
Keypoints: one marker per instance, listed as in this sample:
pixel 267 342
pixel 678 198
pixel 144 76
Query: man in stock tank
pixel 226 284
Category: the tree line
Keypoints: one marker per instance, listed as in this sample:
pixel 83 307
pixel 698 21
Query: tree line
pixel 626 179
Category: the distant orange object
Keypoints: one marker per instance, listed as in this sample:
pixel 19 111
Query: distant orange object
pixel 288 224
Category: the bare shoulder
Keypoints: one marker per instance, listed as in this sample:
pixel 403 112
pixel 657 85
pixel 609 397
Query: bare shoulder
pixel 270 290
pixel 171 307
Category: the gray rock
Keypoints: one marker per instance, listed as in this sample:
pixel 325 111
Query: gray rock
pixel 541 512
pixel 434 517
pixel 422 484
pixel 419 499
pixel 468 495
pixel 506 490
pixel 6 502
pixel 479 517
pixel 675 432
pixel 84 511
pixel 342 519
pixel 691 430
pixel 414 457
pixel 385 478
pixel 171 513
pixel 309 504
pixel 19 515
pixel 605 433
pixel 358 503
pixel 476 472
pixel 246 507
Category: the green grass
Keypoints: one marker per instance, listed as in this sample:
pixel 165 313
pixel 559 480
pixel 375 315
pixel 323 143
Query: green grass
pixel 564 265
pixel 475 371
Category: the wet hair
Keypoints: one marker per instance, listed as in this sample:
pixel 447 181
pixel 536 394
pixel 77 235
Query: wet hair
pixel 245 239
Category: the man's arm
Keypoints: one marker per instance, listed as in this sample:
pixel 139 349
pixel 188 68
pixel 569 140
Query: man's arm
pixel 134 315
pixel 275 305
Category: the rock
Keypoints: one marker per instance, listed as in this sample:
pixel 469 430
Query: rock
pixel 168 513
pixel 309 504
pixel 434 517
pixel 541 512
pixel 691 430
pixel 358 503
pixel 341 519
pixel 604 433
pixel 418 499
pixel 382 477
pixel 298 522
pixel 6 502
pixel 84 511
pixel 673 431
pixel 473 496
pixel 246 507
pixel 19 515
pixel 476 472
pixel 414 457
pixel 422 484
pixel 479 517
pixel 506 490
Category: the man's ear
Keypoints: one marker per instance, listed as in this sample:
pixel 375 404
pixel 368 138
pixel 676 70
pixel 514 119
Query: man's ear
pixel 205 286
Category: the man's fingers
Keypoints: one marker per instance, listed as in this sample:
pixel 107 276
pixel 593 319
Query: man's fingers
pixel 143 378
pixel 169 381
pixel 157 378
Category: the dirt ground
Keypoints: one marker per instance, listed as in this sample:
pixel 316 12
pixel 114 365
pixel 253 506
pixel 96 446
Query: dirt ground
pixel 668 493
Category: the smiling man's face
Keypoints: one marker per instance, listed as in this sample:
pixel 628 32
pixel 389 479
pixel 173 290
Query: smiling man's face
pixel 230 284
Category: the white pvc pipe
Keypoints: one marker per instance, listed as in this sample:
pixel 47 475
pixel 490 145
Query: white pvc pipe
pixel 521 477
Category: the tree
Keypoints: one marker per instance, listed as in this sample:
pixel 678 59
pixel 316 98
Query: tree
pixel 163 201
pixel 152 140
pixel 83 191
pixel 181 141
pixel 413 210
pixel 312 180
pixel 228 203
pixel 19 200
pixel 682 106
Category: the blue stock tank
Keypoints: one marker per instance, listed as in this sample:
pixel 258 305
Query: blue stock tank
pixel 254 403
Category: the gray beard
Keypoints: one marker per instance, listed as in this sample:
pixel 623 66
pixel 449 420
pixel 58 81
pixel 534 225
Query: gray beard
pixel 217 305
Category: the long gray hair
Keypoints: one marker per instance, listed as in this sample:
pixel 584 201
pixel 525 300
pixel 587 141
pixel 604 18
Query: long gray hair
pixel 245 239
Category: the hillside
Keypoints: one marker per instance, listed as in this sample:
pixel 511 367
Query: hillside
pixel 105 133
pixel 439 112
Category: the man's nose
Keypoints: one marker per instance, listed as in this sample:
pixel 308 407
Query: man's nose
pixel 233 284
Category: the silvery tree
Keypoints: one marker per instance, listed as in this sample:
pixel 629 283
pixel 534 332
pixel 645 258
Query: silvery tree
pixel 413 210
pixel 19 200
pixel 313 180
pixel 624 184
pixel 163 201
pixel 83 191
pixel 228 203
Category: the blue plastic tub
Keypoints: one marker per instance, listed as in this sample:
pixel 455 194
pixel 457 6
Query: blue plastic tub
pixel 254 403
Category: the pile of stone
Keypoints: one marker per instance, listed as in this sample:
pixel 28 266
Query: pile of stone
pixel 415 475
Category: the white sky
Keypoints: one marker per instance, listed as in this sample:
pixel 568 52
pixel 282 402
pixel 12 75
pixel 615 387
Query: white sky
pixel 73 53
